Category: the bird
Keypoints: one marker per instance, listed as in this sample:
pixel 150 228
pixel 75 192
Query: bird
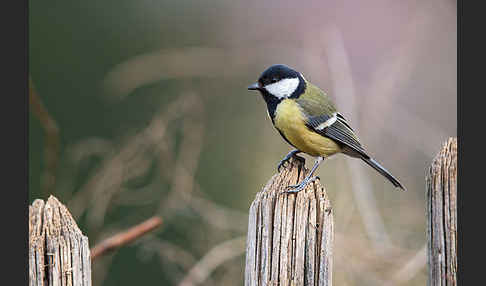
pixel 307 119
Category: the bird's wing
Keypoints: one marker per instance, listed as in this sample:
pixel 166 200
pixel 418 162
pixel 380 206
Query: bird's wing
pixel 323 118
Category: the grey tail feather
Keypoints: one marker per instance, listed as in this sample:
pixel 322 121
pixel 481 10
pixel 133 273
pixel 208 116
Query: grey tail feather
pixel 383 171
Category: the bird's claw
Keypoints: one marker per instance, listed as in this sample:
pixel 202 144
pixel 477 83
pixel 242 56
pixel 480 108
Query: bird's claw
pixel 284 161
pixel 297 188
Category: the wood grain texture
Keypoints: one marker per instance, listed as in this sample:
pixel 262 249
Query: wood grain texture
pixel 441 195
pixel 58 251
pixel 290 236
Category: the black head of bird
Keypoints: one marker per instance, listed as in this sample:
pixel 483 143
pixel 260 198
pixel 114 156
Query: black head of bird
pixel 307 119
pixel 279 81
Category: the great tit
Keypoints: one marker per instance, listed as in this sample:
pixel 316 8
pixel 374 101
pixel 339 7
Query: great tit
pixel 307 119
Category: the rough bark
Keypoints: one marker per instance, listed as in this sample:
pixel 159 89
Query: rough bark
pixel 290 236
pixel 442 216
pixel 58 251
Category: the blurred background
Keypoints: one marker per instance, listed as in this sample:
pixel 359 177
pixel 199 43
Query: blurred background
pixel 140 109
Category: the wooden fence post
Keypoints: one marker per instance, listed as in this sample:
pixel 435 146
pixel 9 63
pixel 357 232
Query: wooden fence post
pixel 58 251
pixel 442 216
pixel 290 236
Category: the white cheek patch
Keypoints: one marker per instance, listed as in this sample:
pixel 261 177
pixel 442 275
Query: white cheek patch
pixel 283 88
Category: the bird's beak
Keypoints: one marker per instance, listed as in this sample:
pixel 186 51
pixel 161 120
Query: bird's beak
pixel 254 86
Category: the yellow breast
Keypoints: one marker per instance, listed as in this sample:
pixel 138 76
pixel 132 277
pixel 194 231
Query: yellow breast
pixel 290 121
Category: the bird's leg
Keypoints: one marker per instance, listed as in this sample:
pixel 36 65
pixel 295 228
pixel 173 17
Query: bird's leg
pixel 287 158
pixel 307 179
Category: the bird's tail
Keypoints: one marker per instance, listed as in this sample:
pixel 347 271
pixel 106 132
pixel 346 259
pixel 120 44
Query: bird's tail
pixel 383 171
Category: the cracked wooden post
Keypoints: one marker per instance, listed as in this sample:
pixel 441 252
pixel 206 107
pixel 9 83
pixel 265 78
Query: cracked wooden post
pixel 442 216
pixel 290 236
pixel 58 251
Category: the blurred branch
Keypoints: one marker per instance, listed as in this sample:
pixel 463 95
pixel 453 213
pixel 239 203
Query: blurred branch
pixel 128 160
pixel 200 62
pixel 393 73
pixel 74 156
pixel 214 258
pixel 172 253
pixel 51 141
pixel 185 186
pixel 169 251
pixel 411 268
pixel 391 76
pixel 408 262
pixel 125 237
pixel 146 68
pixel 183 172
pixel 402 117
pixel 217 215
pixel 345 96
pixel 367 265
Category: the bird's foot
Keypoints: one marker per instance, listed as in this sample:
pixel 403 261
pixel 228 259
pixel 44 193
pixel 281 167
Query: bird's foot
pixel 297 188
pixel 285 160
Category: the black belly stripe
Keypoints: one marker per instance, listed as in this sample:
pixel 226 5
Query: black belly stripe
pixel 272 103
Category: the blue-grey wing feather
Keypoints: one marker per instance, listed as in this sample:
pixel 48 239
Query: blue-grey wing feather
pixel 339 131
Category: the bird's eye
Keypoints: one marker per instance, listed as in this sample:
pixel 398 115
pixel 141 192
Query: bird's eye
pixel 273 80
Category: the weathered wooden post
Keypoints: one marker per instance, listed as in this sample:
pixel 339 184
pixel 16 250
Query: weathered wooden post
pixel 441 194
pixel 58 251
pixel 290 236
